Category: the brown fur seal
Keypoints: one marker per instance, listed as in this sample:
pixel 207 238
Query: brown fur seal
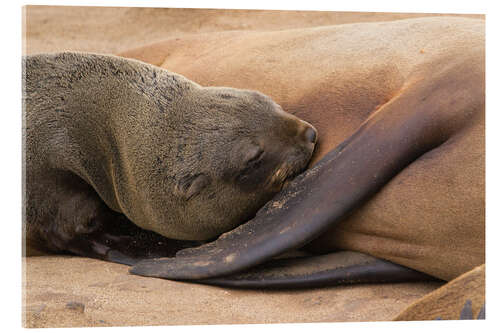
pixel 400 111
pixel 106 136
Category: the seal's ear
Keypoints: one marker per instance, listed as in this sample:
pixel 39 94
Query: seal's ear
pixel 252 154
pixel 189 186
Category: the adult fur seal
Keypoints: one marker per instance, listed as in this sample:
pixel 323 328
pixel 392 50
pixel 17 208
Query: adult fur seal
pixel 109 139
pixel 400 109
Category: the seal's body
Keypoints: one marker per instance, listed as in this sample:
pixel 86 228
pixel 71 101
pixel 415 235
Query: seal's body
pixel 402 100
pixel 106 135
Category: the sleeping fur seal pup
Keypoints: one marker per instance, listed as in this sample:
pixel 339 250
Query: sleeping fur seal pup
pixel 108 139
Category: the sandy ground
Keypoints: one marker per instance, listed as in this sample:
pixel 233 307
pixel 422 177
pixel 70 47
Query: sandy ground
pixel 68 291
pixel 112 30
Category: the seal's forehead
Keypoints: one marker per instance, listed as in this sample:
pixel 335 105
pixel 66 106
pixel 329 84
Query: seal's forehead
pixel 242 94
pixel 249 107
pixel 261 102
pixel 259 97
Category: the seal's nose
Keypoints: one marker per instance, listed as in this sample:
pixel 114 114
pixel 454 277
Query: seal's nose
pixel 310 134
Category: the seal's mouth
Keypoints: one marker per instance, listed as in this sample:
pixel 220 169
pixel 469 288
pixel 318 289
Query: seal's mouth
pixel 287 172
pixel 286 183
pixel 290 178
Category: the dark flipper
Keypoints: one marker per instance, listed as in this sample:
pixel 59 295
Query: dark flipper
pixel 482 312
pixel 466 313
pixel 119 240
pixel 338 268
pixel 394 136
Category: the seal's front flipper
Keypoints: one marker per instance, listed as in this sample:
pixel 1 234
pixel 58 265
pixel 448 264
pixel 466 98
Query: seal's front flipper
pixel 337 268
pixel 101 246
pixel 118 240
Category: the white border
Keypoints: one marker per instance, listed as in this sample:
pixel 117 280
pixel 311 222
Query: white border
pixel 423 6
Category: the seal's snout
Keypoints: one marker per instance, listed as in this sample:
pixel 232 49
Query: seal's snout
pixel 310 134
pixel 306 135
pixel 298 151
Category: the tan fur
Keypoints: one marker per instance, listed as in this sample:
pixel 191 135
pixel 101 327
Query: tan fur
pixel 429 217
pixel 448 301
pixel 105 134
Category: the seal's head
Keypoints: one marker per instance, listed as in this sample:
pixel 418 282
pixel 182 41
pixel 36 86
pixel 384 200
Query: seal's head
pixel 231 152
pixel 186 161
